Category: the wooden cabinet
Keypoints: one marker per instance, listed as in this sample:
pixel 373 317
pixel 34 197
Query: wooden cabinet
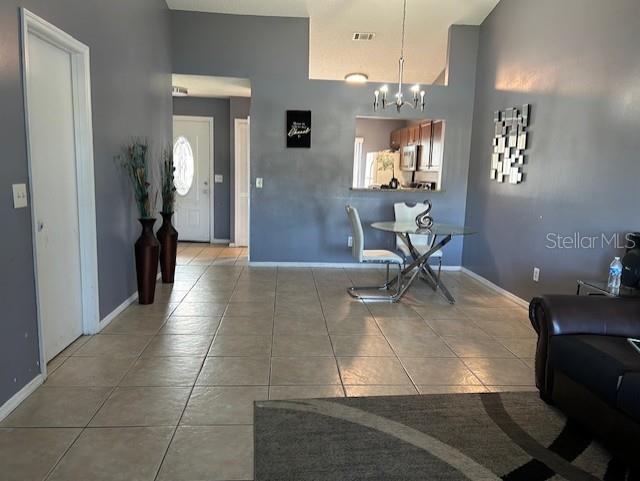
pixel 437 145
pixel 395 141
pixel 424 160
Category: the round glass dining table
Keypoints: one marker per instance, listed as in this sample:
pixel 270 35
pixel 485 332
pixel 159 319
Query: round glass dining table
pixel 439 234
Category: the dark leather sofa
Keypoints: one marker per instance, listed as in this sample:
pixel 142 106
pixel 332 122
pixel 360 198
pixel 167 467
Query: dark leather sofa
pixel 586 366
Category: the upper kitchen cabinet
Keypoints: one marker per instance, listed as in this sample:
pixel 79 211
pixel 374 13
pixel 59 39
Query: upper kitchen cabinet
pixel 396 140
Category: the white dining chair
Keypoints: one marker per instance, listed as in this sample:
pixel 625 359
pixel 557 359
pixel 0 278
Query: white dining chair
pixel 422 243
pixel 377 256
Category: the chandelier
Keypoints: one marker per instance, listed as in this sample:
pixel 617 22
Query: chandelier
pixel 380 96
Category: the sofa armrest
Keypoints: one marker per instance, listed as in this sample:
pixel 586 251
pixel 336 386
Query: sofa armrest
pixel 556 315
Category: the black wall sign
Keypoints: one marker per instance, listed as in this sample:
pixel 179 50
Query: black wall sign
pixel 299 128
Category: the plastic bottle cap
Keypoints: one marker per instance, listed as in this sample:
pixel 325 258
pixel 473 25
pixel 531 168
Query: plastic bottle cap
pixel 616 258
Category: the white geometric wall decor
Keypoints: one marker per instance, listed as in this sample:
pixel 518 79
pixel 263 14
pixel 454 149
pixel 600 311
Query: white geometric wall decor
pixel 509 144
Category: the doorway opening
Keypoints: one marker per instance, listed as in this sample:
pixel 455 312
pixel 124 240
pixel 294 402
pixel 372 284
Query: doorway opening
pixel 56 78
pixel 214 195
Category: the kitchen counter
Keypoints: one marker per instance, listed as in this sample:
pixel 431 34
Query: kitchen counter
pixel 401 189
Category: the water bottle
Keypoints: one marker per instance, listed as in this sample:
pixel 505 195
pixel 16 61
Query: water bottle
pixel 615 272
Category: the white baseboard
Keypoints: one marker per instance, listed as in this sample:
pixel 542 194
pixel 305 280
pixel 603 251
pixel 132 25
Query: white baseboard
pixel 333 265
pixel 113 314
pixel 15 400
pixel 127 302
pixel 220 241
pixel 495 287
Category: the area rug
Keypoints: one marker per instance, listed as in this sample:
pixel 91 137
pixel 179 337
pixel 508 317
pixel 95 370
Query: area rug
pixel 492 436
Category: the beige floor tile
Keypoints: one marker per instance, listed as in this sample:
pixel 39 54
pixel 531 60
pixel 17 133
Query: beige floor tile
pixel 360 391
pixel 477 347
pixel 209 453
pixel 135 325
pixel 243 346
pixel 178 345
pixel 372 370
pixel 512 388
pixel 420 345
pixel 157 309
pixel 353 325
pixel 90 371
pixel 523 348
pixel 55 363
pixel 438 371
pixel 361 346
pixel 407 327
pixel 200 309
pixel 304 371
pixel 202 326
pixel 440 310
pixel 163 371
pixel 501 372
pixel 221 405
pixel 74 346
pixel 305 392
pixel 114 345
pixel 143 406
pixel 28 454
pixel 58 407
pixel 114 454
pixel 452 389
pixel 392 311
pixel 300 326
pixel 250 309
pixel 294 346
pixel 456 328
pixel 246 326
pixel 169 295
pixel 234 371
pixel 496 314
pixel 506 328
pixel 215 297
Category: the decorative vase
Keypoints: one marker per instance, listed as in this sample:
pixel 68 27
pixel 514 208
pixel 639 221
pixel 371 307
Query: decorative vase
pixel 393 183
pixel 147 252
pixel 168 237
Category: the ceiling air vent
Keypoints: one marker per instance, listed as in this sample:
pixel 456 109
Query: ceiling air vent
pixel 363 36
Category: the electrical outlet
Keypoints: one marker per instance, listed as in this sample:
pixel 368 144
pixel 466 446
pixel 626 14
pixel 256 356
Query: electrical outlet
pixel 536 274
pixel 19 196
pixel 349 241
pixel 258 182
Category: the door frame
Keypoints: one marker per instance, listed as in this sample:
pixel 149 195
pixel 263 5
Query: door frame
pixel 212 163
pixel 236 194
pixel 81 82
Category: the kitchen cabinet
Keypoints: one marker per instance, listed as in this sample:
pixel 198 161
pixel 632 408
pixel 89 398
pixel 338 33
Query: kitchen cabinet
pixel 395 141
pixel 424 160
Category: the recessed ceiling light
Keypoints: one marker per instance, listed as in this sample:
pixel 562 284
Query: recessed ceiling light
pixel 356 78
pixel 179 91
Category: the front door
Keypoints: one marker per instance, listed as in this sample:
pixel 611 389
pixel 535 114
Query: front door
pixel 193 158
pixel 54 193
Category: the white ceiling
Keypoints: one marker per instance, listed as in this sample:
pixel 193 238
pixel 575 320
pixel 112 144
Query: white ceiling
pixel 332 53
pixel 206 86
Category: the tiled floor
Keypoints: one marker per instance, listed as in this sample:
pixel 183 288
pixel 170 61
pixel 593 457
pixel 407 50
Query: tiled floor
pixel 166 391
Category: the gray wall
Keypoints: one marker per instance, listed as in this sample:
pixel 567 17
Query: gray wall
pixel 576 63
pixel 219 110
pixel 130 82
pixel 299 214
pixel 376 133
pixel 239 108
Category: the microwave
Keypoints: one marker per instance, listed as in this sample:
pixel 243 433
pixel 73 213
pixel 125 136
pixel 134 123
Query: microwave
pixel 409 157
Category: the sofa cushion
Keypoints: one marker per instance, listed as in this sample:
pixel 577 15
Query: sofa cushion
pixel 596 362
pixel 629 395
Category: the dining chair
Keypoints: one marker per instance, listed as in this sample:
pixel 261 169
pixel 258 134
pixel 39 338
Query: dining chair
pixel 376 256
pixel 422 243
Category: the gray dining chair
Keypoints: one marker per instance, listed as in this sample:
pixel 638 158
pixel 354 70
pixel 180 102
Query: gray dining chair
pixel 422 243
pixel 376 256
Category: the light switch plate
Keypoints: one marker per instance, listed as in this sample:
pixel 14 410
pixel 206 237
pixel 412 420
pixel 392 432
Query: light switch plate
pixel 19 196
pixel 218 178
pixel 258 182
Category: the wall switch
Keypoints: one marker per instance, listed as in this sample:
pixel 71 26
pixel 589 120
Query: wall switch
pixel 536 274
pixel 349 241
pixel 258 182
pixel 218 179
pixel 19 196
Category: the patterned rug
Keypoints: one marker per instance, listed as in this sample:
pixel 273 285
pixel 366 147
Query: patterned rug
pixel 493 436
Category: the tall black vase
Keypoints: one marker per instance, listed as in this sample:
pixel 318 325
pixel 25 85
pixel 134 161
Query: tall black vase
pixel 147 252
pixel 168 237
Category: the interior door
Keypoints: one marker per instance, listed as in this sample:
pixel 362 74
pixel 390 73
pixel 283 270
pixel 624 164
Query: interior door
pixel 193 160
pixel 50 104
pixel 242 182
